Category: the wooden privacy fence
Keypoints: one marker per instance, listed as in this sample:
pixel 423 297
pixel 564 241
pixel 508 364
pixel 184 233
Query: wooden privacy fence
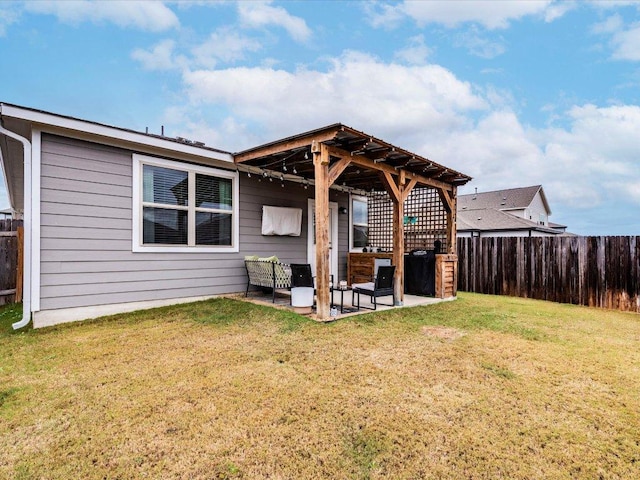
pixel 10 261
pixel 592 271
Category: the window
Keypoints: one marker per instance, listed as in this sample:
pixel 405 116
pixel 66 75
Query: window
pixel 542 220
pixel 180 207
pixel 359 222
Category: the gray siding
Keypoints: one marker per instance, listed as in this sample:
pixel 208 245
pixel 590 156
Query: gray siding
pixel 254 194
pixel 86 256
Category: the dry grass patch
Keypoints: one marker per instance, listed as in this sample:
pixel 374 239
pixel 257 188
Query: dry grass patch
pixel 485 387
pixel 445 333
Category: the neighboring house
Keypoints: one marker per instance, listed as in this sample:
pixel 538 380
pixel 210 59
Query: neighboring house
pixel 117 220
pixel 514 212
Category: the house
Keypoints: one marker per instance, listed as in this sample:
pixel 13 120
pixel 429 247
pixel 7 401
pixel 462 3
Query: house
pixel 117 220
pixel 514 212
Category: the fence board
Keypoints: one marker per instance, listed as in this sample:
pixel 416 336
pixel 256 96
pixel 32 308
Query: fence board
pixel 592 271
pixel 9 261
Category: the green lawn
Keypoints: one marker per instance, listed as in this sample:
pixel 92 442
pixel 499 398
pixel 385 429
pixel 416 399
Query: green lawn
pixel 484 387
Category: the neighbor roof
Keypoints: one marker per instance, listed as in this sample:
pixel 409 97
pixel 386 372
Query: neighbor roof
pixel 490 219
pixel 508 199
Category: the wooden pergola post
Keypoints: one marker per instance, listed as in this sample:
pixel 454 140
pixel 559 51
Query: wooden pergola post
pixel 321 169
pixel 449 201
pixel 447 261
pixel 398 190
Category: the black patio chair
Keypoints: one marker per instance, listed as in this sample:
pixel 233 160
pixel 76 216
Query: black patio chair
pixel 301 275
pixel 382 286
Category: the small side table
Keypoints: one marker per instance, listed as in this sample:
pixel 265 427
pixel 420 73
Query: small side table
pixel 341 292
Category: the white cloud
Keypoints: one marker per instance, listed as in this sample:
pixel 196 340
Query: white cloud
pixel 416 52
pixel 557 9
pixel 225 44
pixel 489 13
pixel 587 166
pixel 261 14
pixel 151 15
pixel 8 16
pixel 383 15
pixel 592 157
pixel 160 57
pixel 356 89
pixel 427 109
pixel 479 45
pixel 611 24
pixel 627 43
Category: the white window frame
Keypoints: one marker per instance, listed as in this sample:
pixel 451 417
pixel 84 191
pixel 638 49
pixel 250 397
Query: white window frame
pixel 137 205
pixel 351 224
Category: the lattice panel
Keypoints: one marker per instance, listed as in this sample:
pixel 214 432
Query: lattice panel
pixel 425 220
pixel 380 220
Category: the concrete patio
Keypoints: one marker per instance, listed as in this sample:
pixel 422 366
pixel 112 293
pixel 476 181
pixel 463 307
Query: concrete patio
pixel 283 300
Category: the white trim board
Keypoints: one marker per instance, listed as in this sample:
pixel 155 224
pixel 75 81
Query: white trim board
pixel 36 157
pixel 48 318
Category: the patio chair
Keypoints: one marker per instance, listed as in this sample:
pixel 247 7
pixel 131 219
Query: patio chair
pixel 302 278
pixel 382 286
pixel 302 290
pixel 301 275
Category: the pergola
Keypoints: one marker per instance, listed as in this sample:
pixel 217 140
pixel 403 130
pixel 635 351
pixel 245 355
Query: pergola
pixel 338 156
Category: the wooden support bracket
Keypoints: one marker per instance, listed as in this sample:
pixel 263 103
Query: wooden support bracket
pixel 337 168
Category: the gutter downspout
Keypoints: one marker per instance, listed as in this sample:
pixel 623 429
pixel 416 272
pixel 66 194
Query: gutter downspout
pixel 26 277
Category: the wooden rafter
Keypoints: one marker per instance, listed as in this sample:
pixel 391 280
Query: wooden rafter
pixel 383 167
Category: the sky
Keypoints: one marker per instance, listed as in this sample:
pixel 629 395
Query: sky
pixel 512 93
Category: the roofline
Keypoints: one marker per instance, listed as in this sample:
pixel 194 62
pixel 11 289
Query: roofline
pixel 539 228
pixel 43 118
pixel 544 200
pixel 500 190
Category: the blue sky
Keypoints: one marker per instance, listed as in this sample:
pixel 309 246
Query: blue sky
pixel 512 93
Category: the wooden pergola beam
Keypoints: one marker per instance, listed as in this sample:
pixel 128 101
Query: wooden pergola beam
pixel 279 147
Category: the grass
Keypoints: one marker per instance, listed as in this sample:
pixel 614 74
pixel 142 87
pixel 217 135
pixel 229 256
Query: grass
pixel 484 387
